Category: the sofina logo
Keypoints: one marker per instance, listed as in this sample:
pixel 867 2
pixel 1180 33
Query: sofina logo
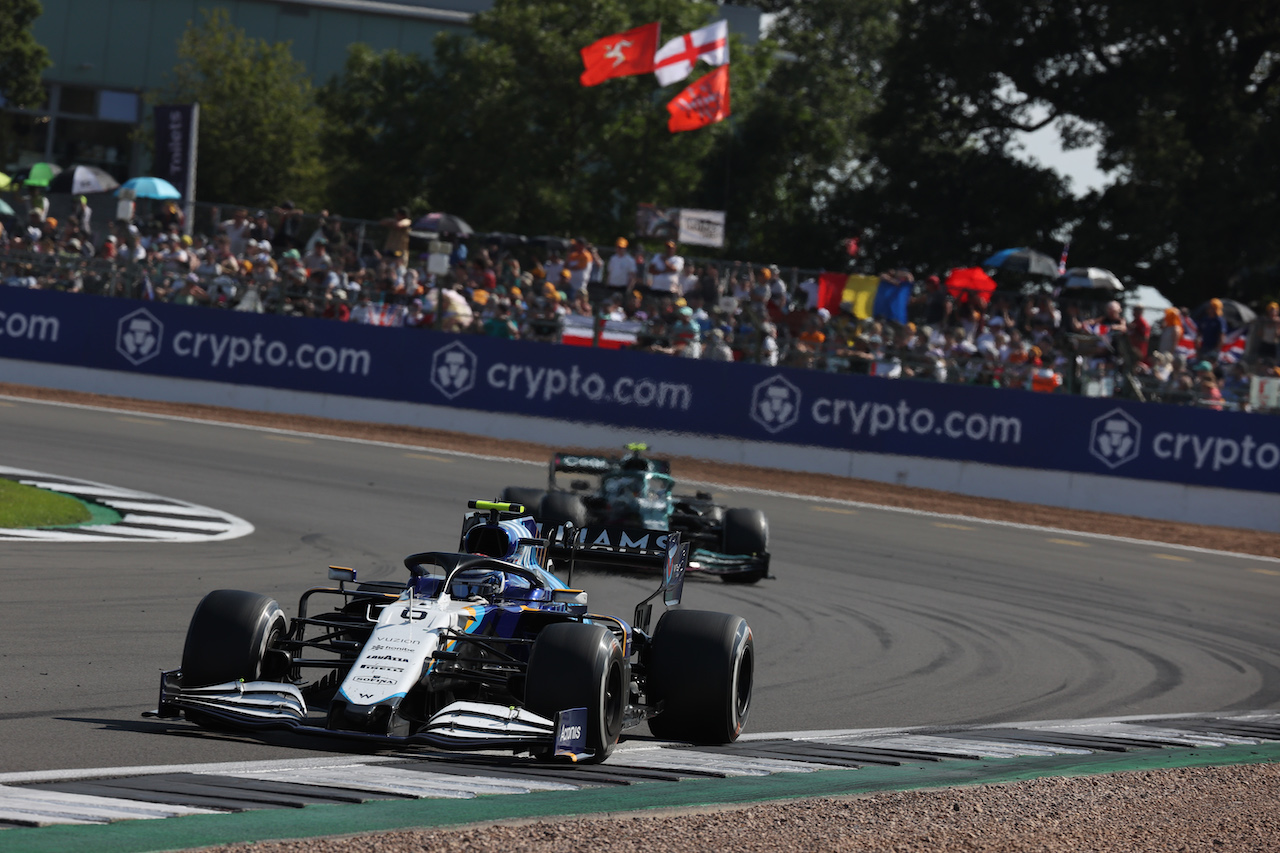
pixel 453 370
pixel 775 404
pixel 138 336
pixel 1116 438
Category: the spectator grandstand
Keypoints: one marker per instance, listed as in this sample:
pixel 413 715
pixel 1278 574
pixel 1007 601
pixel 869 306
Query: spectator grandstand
pixel 1025 334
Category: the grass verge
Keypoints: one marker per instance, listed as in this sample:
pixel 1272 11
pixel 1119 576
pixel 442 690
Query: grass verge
pixel 27 506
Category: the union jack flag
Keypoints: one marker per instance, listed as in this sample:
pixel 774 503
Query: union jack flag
pixel 1233 346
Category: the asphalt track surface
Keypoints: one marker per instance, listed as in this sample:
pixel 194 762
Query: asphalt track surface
pixel 876 617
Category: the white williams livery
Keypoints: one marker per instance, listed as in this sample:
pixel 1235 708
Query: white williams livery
pixel 481 648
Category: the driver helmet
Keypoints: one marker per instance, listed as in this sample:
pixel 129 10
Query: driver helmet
pixel 477 583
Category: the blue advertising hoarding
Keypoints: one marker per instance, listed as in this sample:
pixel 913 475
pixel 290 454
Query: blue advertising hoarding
pixel 648 391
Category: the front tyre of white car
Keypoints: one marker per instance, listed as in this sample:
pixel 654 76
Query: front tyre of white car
pixel 574 665
pixel 228 638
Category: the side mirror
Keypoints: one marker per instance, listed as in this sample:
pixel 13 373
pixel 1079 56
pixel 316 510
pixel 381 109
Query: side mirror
pixel 569 596
pixel 338 573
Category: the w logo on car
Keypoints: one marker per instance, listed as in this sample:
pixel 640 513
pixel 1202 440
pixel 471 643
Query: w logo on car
pixel 1115 438
pixel 138 336
pixel 775 404
pixel 453 370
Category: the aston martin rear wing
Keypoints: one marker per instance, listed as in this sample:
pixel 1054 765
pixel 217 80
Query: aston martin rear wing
pixel 628 548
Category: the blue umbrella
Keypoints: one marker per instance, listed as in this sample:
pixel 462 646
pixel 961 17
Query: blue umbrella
pixel 150 188
pixel 1022 260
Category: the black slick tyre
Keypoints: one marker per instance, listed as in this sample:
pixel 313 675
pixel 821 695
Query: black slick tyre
pixel 228 637
pixel 745 531
pixel 529 498
pixel 701 666
pixel 574 665
pixel 559 507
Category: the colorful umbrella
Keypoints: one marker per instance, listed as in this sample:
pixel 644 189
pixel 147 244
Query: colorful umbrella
pixel 79 180
pixel 1090 278
pixel 969 280
pixel 5 209
pixel 1022 260
pixel 150 188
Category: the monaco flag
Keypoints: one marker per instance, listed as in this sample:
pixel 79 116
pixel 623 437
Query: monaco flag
pixel 704 102
pixel 620 55
pixel 677 57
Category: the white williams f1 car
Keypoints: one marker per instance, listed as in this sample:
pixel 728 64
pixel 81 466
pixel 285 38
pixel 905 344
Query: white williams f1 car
pixel 482 648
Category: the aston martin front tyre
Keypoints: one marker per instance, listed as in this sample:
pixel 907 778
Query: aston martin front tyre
pixel 229 636
pixel 574 665
pixel 701 667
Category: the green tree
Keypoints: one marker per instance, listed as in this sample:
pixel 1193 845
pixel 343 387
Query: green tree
pixel 1181 97
pixel 943 183
pixel 22 59
pixel 499 130
pixel 799 138
pixel 377 116
pixel 259 123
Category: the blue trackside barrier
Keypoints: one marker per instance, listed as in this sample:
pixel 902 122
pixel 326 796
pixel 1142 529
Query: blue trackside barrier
pixel 644 391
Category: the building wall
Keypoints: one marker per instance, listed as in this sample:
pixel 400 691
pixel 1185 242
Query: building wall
pixel 132 44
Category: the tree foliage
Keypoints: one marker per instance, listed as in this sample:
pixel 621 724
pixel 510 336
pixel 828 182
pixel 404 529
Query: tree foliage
pixel 800 139
pixel 502 132
pixel 259 123
pixel 22 59
pixel 1181 97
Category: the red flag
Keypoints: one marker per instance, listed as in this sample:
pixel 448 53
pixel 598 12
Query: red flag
pixel 620 55
pixel 704 102
pixel 831 290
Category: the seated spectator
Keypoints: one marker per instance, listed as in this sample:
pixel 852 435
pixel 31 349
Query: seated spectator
pixel 717 348
pixel 500 324
pixel 686 337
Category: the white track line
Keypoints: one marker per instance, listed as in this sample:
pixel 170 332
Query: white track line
pixel 1013 525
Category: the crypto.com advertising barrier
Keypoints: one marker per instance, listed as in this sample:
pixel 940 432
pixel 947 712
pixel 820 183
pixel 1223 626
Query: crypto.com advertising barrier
pixel 646 391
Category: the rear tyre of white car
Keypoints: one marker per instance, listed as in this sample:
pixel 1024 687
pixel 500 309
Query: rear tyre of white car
pixel 573 665
pixel 228 637
pixel 701 667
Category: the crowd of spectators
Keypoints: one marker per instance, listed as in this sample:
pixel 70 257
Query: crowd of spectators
pixel 284 262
